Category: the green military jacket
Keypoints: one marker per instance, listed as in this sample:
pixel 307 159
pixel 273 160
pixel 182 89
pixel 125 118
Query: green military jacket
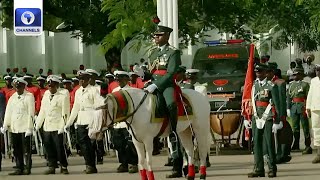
pixel 168 59
pixel 281 101
pixel 297 89
pixel 268 93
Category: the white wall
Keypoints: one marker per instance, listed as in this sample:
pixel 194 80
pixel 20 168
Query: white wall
pixel 62 53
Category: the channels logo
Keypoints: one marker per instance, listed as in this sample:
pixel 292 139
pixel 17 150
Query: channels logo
pixel 28 21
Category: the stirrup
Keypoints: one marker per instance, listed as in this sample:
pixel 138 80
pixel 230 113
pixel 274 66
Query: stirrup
pixel 175 140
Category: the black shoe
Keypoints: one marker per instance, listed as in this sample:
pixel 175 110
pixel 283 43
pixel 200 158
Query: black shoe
pixel 123 168
pixel 100 162
pixel 155 152
pixel 307 150
pixel 169 163
pixel 64 170
pixel 91 170
pixel 16 173
pixel 272 174
pixel 256 174
pixel 27 172
pixel 174 174
pixel 185 171
pixel 51 170
pixel 287 159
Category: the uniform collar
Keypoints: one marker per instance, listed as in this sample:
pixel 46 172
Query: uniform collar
pixel 162 47
pixel 263 82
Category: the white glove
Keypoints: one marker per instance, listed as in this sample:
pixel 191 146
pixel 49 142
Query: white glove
pixel 36 128
pixel 65 129
pixel 28 133
pixel 288 113
pixel 3 130
pixel 60 131
pixel 75 125
pixel 151 88
pixel 247 124
pixel 276 127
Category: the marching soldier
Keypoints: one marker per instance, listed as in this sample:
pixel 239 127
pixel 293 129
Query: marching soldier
pixel 313 111
pixel 41 82
pixel 121 138
pixel 264 96
pixel 87 98
pixel 8 90
pixel 296 99
pixel 19 120
pixel 97 144
pixel 53 113
pixel 34 90
pixel 164 62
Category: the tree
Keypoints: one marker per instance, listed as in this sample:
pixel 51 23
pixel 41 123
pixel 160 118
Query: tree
pixel 115 22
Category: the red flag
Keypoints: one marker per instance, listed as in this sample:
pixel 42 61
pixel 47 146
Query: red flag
pixel 246 105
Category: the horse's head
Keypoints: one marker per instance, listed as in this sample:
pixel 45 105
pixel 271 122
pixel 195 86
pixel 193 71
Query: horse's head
pixel 108 115
pixel 119 106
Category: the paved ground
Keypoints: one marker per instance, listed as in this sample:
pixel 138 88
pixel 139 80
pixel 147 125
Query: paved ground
pixel 223 167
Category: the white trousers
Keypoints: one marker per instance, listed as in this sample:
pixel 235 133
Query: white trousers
pixel 315 121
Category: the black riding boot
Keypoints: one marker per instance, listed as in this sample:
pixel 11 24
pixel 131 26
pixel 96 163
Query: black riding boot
pixel 173 117
pixel 176 151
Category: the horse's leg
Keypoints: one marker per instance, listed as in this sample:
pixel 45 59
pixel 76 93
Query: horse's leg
pixel 203 152
pixel 186 141
pixel 149 149
pixel 141 158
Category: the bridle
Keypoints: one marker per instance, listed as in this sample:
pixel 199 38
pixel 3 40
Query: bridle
pixel 124 119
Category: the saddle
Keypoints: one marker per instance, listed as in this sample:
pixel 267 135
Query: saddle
pixel 160 110
pixel 124 106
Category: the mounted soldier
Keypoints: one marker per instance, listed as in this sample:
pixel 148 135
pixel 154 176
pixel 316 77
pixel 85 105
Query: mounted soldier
pixel 163 63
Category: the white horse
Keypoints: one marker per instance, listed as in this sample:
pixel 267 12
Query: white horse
pixel 143 131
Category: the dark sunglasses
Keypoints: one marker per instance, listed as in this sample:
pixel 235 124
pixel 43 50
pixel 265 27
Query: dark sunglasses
pixel 158 35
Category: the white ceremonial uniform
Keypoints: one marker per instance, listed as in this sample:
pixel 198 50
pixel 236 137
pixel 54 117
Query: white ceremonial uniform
pixel 121 124
pixel 20 113
pixel 53 114
pixel 313 103
pixel 86 101
pixel 98 87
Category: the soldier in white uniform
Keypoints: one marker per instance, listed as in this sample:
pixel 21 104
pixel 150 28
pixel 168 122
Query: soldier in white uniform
pixel 54 112
pixel 19 121
pixel 313 111
pixel 121 137
pixel 87 99
pixel 97 144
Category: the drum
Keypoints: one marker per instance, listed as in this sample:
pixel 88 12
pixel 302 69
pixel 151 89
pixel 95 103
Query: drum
pixel 225 123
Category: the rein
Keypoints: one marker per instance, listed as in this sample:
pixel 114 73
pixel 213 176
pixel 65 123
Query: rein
pixel 128 116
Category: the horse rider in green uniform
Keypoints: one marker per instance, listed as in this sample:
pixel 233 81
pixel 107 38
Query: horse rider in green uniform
pixel 264 99
pixel 296 109
pixel 163 63
pixel 284 146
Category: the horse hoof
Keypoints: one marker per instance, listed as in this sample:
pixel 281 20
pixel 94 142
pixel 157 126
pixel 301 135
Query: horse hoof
pixel 190 178
pixel 202 176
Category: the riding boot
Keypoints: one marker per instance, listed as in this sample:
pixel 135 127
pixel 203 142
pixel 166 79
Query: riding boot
pixel 295 146
pixel 173 117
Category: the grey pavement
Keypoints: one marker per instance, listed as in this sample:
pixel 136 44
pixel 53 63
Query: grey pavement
pixel 223 167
